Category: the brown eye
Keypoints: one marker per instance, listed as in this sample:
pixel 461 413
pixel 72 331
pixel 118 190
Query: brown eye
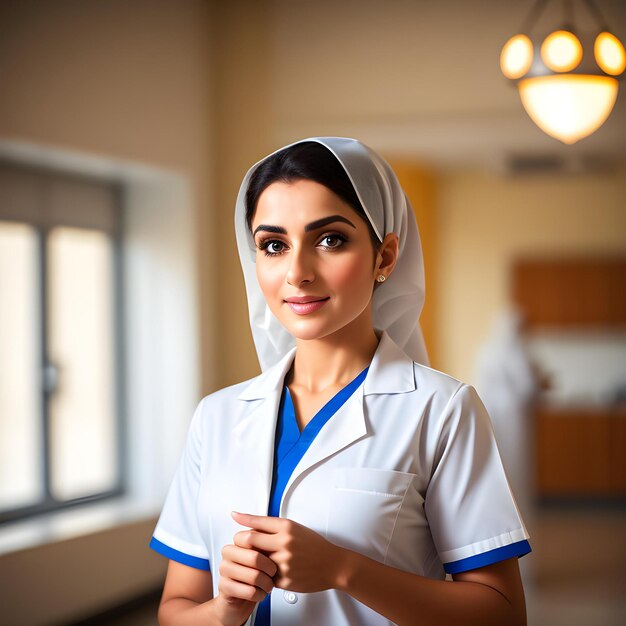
pixel 334 241
pixel 269 246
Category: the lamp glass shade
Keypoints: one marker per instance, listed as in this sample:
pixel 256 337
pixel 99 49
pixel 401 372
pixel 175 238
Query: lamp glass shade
pixel 609 53
pixel 516 56
pixel 561 51
pixel 568 107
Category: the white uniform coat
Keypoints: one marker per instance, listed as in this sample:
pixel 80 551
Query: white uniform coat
pixel 406 472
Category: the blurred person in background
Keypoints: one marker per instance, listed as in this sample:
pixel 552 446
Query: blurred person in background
pixel 510 384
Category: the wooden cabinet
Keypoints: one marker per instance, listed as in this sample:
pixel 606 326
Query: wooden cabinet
pixel 571 293
pixel 581 453
pixel 617 454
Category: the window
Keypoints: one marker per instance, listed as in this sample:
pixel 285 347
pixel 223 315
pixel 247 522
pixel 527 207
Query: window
pixel 60 341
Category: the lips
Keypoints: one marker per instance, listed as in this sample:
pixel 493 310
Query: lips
pixel 304 306
pixel 304 299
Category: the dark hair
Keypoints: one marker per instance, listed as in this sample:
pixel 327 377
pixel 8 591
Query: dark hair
pixel 308 160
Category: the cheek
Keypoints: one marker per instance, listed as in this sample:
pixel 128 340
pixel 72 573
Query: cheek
pixel 269 277
pixel 351 274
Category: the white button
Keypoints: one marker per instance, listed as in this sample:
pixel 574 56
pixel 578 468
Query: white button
pixel 290 597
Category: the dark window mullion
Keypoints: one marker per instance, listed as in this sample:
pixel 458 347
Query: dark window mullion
pixel 118 356
pixel 45 391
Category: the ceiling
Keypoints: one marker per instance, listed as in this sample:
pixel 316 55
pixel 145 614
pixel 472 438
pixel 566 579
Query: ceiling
pixel 422 78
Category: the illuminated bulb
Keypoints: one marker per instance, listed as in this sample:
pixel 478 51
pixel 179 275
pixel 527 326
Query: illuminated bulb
pixel 609 53
pixel 568 107
pixel 561 51
pixel 516 57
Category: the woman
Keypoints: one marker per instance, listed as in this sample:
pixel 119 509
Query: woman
pixel 340 485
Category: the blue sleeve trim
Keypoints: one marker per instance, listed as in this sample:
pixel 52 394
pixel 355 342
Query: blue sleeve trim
pixel 519 548
pixel 180 557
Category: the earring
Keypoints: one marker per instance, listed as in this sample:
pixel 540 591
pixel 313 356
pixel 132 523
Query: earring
pixel 381 278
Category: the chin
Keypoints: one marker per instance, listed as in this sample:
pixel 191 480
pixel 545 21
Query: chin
pixel 308 330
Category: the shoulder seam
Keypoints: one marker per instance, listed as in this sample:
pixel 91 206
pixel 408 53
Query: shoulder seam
pixel 443 419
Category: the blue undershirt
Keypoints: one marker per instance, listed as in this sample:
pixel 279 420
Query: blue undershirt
pixel 290 446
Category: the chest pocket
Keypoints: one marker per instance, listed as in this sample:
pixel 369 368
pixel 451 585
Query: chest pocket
pixel 363 507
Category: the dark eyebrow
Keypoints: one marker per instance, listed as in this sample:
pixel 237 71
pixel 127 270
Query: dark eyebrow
pixel 312 226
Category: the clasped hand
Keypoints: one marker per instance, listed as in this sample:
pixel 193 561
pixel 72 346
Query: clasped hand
pixel 272 552
pixel 302 558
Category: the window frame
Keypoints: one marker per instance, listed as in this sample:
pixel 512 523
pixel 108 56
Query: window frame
pixel 109 221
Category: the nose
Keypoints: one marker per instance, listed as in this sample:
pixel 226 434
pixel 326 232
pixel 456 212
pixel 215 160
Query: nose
pixel 301 266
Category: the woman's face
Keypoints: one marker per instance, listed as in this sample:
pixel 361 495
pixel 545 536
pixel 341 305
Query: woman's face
pixel 312 245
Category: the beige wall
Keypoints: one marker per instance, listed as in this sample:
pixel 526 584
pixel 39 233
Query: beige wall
pixel 403 76
pixel 243 136
pixel 76 578
pixel 486 220
pixel 421 184
pixel 122 79
pixel 208 88
pixel 129 80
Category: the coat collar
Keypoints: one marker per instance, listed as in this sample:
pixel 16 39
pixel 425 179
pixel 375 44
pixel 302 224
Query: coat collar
pixel 391 371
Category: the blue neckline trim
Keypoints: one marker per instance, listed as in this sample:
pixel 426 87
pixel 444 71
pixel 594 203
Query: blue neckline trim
pixel 291 444
pixel 327 411
pixel 289 448
pixel 179 557
pixel 518 549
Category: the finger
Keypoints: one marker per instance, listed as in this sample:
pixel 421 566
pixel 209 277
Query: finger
pixel 241 591
pixel 259 522
pixel 250 558
pixel 257 540
pixel 246 575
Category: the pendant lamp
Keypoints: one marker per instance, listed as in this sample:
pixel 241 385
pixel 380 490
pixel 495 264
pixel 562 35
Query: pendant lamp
pixel 567 79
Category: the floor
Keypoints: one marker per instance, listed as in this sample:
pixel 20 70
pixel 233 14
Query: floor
pixel 575 576
pixel 579 567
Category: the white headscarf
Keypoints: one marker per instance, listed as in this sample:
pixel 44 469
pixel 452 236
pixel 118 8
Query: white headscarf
pixel 396 303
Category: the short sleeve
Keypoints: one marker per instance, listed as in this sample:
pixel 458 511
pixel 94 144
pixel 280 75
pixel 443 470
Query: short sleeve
pixel 471 511
pixel 177 533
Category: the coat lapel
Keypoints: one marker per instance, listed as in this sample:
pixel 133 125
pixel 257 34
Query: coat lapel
pixel 254 435
pixel 344 428
pixel 391 371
